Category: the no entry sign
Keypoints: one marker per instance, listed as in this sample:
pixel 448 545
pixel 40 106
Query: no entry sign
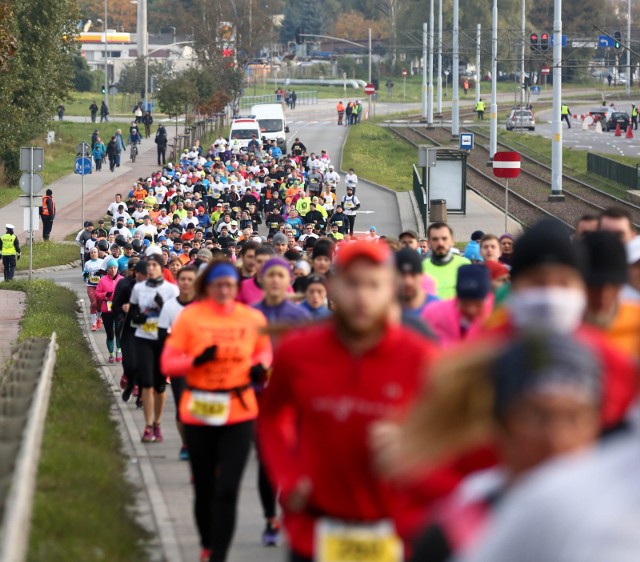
pixel 506 164
pixel 369 89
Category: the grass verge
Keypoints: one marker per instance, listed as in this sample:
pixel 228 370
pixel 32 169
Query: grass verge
pixel 376 154
pixel 48 254
pixel 82 508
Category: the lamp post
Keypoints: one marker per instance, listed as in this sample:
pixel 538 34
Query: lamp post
pixel 105 56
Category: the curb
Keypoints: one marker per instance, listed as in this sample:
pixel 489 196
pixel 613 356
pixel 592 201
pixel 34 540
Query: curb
pixel 150 489
pixel 51 269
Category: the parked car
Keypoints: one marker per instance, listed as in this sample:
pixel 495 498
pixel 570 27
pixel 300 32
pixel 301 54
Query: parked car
pixel 521 118
pixel 600 113
pixel 616 118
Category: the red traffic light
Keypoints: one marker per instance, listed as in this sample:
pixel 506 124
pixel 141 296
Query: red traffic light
pixel 544 41
pixel 227 52
pixel 533 41
pixel 544 37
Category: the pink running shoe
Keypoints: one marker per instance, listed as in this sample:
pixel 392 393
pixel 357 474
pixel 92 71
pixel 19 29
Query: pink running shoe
pixel 157 433
pixel 148 435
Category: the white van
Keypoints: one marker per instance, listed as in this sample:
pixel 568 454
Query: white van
pixel 273 125
pixel 242 131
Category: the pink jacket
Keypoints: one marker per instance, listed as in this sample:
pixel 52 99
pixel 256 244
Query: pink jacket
pixel 106 285
pixel 444 318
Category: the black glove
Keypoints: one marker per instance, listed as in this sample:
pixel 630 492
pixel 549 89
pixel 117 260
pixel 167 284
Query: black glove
pixel 258 374
pixel 158 300
pixel 109 295
pixel 139 318
pixel 207 355
pixel 17 256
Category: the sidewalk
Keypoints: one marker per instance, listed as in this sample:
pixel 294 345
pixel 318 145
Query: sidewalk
pixel 12 305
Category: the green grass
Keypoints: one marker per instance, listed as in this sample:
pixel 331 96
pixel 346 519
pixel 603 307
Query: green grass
pixel 83 505
pixel 376 154
pixel 120 104
pixel 48 254
pixel 8 195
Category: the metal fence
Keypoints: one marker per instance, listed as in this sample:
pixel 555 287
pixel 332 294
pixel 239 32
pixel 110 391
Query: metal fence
pixel 629 176
pixel 24 399
pixel 302 98
pixel 197 131
pixel 420 194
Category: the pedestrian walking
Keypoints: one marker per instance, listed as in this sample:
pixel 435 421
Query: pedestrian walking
pixel 147 121
pixel 161 142
pixel 93 109
pixel 61 110
pixel 112 152
pixel 104 112
pixel 634 116
pixel 565 114
pixel 121 146
pixel 99 152
pixel 480 107
pixel 340 109
pixel 47 214
pixel 465 87
pixel 350 204
pixel 294 99
pixel 10 250
pixel 137 112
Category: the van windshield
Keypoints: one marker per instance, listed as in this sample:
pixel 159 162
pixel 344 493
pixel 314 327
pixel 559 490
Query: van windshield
pixel 242 134
pixel 270 125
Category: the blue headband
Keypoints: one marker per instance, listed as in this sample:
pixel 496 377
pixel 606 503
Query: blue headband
pixel 222 270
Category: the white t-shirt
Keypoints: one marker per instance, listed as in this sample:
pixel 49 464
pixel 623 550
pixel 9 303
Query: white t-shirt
pixel 170 311
pixel 349 205
pixel 351 180
pixel 113 208
pixel 146 229
pixel 144 296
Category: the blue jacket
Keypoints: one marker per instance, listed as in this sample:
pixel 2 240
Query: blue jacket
pixel 472 251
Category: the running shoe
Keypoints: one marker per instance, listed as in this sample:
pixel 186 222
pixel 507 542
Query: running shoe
pixel 184 453
pixel 99 323
pixel 136 390
pixel 94 327
pixel 126 394
pixel 271 535
pixel 139 403
pixel 205 555
pixel 148 436
pixel 124 381
pixel 112 359
pixel 157 433
pixel 118 356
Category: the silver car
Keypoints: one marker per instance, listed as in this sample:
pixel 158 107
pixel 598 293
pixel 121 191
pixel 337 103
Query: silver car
pixel 520 118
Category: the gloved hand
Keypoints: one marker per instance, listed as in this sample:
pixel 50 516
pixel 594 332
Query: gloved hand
pixel 139 318
pixel 17 256
pixel 109 295
pixel 258 374
pixel 206 356
pixel 158 300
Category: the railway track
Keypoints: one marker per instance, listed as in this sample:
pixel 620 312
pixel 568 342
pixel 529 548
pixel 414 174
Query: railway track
pixel 521 209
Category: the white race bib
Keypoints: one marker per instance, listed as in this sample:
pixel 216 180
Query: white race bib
pixel 211 408
pixel 337 541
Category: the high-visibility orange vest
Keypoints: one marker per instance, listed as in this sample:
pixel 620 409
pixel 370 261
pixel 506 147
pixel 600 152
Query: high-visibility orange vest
pixel 45 207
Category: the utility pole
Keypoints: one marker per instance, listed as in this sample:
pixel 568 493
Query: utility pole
pixel 628 84
pixel 478 73
pixel 424 72
pixel 143 46
pixel 440 57
pixel 522 82
pixel 369 82
pixel 556 123
pixel 493 109
pixel 430 93
pixel 455 106
pixel 106 58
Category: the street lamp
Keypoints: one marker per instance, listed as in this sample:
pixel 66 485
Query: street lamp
pixel 105 56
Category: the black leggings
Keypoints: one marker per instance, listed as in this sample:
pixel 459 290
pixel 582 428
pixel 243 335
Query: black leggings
pixel 218 456
pixel 267 493
pixel 149 375
pixel 178 386
pixel 352 222
pixel 128 341
pixel 293 557
pixel 109 322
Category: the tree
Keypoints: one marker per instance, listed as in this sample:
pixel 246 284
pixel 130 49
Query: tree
pixel 175 95
pixel 354 26
pixel 311 15
pixel 121 14
pixel 84 80
pixel 39 74
pixel 132 76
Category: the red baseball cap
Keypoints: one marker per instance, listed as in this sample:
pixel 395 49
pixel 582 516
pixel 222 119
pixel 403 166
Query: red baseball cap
pixel 377 253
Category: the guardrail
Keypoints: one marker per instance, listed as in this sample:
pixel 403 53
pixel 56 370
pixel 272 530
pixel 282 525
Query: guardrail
pixel 628 176
pixel 302 98
pixel 197 131
pixel 420 194
pixel 24 400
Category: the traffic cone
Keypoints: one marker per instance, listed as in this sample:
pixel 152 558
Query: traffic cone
pixel 598 127
pixel 629 134
pixel 618 131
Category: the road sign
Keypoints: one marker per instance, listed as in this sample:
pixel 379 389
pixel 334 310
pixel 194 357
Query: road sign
pixel 535 90
pixel 545 70
pixel 83 148
pixel 605 41
pixel 583 44
pixel 506 164
pixel 26 165
pixel 83 166
pixel 369 89
pixel 25 180
pixel 466 141
pixel 404 72
pixel 564 40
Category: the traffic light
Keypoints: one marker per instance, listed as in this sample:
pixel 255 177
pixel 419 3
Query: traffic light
pixel 617 36
pixel 299 38
pixel 104 90
pixel 533 41
pixel 544 41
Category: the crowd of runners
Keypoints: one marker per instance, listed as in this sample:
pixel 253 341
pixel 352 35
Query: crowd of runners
pixel 408 396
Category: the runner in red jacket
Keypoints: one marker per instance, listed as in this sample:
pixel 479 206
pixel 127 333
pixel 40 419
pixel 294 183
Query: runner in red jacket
pixel 317 413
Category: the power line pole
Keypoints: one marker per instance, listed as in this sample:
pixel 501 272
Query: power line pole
pixel 522 81
pixel 424 72
pixel 430 93
pixel 440 57
pixel 628 85
pixel 556 123
pixel 478 73
pixel 493 109
pixel 455 106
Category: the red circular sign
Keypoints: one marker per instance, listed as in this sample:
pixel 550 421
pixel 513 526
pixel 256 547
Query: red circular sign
pixel 506 164
pixel 369 89
pixel 545 70
pixel 404 72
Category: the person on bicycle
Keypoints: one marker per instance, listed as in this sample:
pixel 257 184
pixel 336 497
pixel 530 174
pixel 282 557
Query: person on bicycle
pixel 134 140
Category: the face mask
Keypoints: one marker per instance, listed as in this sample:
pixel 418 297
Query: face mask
pixel 547 309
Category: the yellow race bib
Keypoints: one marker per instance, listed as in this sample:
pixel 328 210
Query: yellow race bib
pixel 211 408
pixel 95 279
pixel 150 326
pixel 337 541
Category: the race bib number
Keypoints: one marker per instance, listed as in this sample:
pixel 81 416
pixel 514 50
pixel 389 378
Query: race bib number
pixel 349 205
pixel 274 225
pixel 338 224
pixel 336 541
pixel 150 326
pixel 211 408
pixel 95 279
